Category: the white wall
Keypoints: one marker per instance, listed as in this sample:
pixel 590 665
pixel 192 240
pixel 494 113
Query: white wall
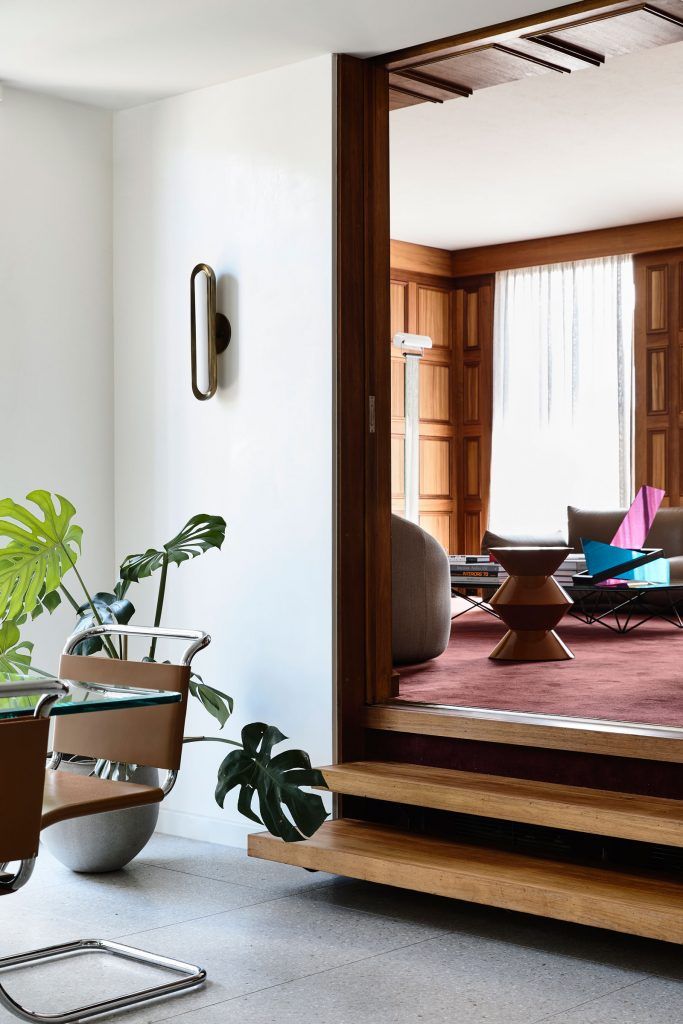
pixel 56 323
pixel 239 176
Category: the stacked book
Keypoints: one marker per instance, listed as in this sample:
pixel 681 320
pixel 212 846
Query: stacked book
pixel 572 564
pixel 475 569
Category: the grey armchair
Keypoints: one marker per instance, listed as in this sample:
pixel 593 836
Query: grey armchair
pixel 421 594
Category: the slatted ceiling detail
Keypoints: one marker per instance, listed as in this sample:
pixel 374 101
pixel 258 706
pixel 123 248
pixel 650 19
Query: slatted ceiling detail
pixel 636 30
pixel 481 69
pixel 434 84
pixel 400 98
pixel 569 51
pixel 566 57
pixel 582 43
pixel 427 86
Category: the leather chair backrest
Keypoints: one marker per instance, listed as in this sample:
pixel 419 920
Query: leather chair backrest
pixel 23 749
pixel 666 532
pixel 146 736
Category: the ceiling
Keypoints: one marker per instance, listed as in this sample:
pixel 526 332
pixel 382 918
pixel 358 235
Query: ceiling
pixel 120 53
pixel 542 156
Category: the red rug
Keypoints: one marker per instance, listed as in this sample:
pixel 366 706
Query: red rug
pixel 635 677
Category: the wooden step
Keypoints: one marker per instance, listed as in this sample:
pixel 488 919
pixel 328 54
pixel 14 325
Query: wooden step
pixel 600 812
pixel 639 905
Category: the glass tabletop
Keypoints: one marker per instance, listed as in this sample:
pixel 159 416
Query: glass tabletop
pixel 79 698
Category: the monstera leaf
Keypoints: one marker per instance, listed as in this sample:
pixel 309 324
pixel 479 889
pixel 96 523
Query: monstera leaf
pixel 276 781
pixel 38 553
pixel 216 702
pixel 15 654
pixel 109 608
pixel 200 534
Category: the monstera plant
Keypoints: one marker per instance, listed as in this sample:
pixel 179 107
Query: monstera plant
pixel 38 571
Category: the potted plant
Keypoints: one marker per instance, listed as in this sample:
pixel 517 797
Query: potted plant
pixel 38 571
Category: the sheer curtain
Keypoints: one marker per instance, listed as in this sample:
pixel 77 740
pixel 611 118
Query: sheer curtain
pixel 562 392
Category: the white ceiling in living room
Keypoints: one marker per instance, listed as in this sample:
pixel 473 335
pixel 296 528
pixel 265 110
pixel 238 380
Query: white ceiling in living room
pixel 120 53
pixel 542 156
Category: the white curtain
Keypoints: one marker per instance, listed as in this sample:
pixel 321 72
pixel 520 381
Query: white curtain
pixel 562 392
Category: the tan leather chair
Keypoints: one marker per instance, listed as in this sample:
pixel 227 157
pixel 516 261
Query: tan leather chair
pixel 33 798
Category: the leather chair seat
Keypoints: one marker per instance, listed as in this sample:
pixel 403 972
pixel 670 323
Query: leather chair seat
pixel 75 796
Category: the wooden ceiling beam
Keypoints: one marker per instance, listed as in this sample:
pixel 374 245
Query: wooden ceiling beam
pixel 569 49
pixel 434 83
pixel 531 58
pixel 414 94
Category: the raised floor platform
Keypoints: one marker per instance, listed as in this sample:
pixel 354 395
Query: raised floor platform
pixel 632 678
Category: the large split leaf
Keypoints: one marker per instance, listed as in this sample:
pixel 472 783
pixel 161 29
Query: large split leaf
pixel 39 550
pixel 200 534
pixel 15 654
pixel 214 701
pixel 110 609
pixel 277 782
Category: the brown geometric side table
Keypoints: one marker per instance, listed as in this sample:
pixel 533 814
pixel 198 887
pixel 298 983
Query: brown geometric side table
pixel 531 603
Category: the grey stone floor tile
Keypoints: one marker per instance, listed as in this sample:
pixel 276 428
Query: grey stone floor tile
pixel 255 947
pixel 440 980
pixel 139 897
pixel 229 864
pixel 653 1001
pixel 544 935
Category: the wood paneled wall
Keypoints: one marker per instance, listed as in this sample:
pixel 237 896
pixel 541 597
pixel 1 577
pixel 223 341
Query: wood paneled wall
pixel 473 304
pixel 659 372
pixel 455 394
pixel 421 304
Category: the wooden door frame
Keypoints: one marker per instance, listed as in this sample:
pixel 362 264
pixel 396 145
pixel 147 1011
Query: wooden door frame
pixel 363 499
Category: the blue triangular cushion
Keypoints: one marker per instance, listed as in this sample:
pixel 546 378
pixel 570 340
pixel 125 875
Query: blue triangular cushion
pixel 602 557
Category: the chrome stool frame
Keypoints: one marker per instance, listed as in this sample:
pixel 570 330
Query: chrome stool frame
pixel 191 975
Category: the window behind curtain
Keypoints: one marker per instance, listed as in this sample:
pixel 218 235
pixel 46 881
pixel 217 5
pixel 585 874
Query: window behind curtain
pixel 562 392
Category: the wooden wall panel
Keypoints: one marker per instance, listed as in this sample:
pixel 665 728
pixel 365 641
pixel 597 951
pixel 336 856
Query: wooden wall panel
pixel 435 392
pixel 657 299
pixel 421 299
pixel 433 315
pixel 473 336
pixel 439 524
pixel 657 381
pixel 399 307
pixel 435 467
pixel 659 372
pixel 397 387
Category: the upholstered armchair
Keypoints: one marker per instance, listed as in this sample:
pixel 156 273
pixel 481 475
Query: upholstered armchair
pixel 421 594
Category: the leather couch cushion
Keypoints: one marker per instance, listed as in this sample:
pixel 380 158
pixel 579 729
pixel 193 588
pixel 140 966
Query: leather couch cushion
pixel 666 532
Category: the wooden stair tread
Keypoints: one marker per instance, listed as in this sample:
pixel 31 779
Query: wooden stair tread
pixel 638 904
pixel 601 812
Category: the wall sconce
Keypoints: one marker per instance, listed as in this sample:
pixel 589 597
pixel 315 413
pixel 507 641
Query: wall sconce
pixel 213 335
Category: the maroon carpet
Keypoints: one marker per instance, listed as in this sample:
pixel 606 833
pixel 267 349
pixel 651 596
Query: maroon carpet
pixel 633 678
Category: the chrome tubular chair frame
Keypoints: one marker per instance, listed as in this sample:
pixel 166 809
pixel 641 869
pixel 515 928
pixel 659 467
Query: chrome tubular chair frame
pixel 191 976
pixel 115 770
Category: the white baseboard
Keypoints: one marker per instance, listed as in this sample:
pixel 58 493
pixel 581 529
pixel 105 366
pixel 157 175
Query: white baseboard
pixel 208 830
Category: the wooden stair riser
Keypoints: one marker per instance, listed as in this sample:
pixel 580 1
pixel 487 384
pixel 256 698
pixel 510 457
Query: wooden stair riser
pixel 645 906
pixel 596 812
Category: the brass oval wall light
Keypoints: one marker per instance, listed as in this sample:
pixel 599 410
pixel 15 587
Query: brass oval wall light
pixel 215 332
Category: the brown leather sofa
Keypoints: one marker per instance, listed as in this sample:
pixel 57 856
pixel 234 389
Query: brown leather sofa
pixel 601 524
